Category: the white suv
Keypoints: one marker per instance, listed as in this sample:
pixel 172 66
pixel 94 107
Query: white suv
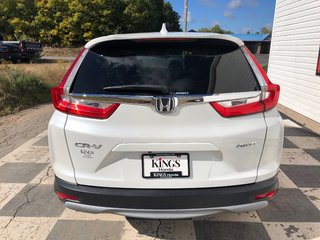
pixel 165 125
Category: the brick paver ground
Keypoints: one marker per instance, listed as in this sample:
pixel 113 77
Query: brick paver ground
pixel 30 210
pixel 16 129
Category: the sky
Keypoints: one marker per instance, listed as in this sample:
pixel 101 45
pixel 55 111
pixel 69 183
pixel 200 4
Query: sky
pixel 238 16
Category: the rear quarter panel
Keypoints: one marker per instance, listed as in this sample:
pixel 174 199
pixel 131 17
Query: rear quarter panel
pixel 272 152
pixel 59 152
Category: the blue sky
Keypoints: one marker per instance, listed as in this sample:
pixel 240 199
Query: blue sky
pixel 238 16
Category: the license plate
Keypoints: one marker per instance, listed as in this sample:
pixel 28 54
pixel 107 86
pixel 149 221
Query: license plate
pixel 170 165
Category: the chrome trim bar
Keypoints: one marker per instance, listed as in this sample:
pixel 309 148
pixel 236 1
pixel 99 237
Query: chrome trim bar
pixel 150 100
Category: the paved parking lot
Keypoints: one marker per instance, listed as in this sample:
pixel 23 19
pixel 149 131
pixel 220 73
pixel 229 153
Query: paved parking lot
pixel 29 209
pixel 16 129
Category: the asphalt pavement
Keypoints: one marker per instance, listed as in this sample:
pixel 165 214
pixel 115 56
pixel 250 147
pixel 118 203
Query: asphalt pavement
pixel 16 129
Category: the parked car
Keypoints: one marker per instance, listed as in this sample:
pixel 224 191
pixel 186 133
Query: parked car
pixel 9 52
pixel 134 136
pixel 22 51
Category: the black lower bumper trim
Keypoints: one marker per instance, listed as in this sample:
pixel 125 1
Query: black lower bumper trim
pixel 166 198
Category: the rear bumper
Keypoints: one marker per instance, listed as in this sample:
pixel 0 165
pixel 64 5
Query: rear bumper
pixel 167 213
pixel 145 202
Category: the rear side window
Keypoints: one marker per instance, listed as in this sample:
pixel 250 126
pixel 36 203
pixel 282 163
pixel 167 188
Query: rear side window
pixel 234 74
pixel 180 67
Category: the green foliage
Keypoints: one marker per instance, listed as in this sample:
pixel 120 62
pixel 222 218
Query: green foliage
pixel 25 11
pixel 265 30
pixel 19 90
pixel 148 15
pixel 170 17
pixel 142 15
pixel 73 22
pixel 265 67
pixel 7 13
pixel 50 14
pixel 215 29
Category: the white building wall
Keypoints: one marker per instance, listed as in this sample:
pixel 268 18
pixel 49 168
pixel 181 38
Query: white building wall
pixel 294 54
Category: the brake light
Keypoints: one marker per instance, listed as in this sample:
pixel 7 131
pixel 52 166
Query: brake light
pixel 66 197
pixel 58 99
pixel 272 100
pixel 250 106
pixel 267 195
pixel 64 103
pixel 228 109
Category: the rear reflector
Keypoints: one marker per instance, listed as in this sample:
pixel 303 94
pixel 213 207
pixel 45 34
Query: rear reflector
pixel 64 103
pixel 66 197
pixel 267 195
pixel 250 106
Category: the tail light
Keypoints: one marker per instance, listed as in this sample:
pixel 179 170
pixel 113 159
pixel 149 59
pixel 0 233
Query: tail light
pixel 268 100
pixel 64 103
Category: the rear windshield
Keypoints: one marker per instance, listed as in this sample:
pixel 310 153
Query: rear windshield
pixel 176 67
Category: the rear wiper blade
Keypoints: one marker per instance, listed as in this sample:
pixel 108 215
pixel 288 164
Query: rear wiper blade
pixel 137 88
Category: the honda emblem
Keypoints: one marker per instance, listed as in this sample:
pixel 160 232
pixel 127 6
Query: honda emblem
pixel 165 104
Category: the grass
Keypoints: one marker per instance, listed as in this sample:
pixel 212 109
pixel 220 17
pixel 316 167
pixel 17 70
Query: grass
pixel 26 85
pixel 50 73
pixel 265 67
pixel 61 52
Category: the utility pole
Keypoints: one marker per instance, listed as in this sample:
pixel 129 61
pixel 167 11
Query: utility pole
pixel 185 17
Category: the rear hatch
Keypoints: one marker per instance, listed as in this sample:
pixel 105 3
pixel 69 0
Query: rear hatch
pixel 138 107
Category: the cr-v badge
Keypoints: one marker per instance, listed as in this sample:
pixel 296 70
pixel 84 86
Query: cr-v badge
pixel 87 150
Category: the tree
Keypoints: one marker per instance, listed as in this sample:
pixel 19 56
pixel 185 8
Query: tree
pixel 170 17
pixel 215 29
pixel 73 22
pixel 265 30
pixel 21 21
pixel 142 15
pixel 7 13
pixel 148 16
pixel 50 15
